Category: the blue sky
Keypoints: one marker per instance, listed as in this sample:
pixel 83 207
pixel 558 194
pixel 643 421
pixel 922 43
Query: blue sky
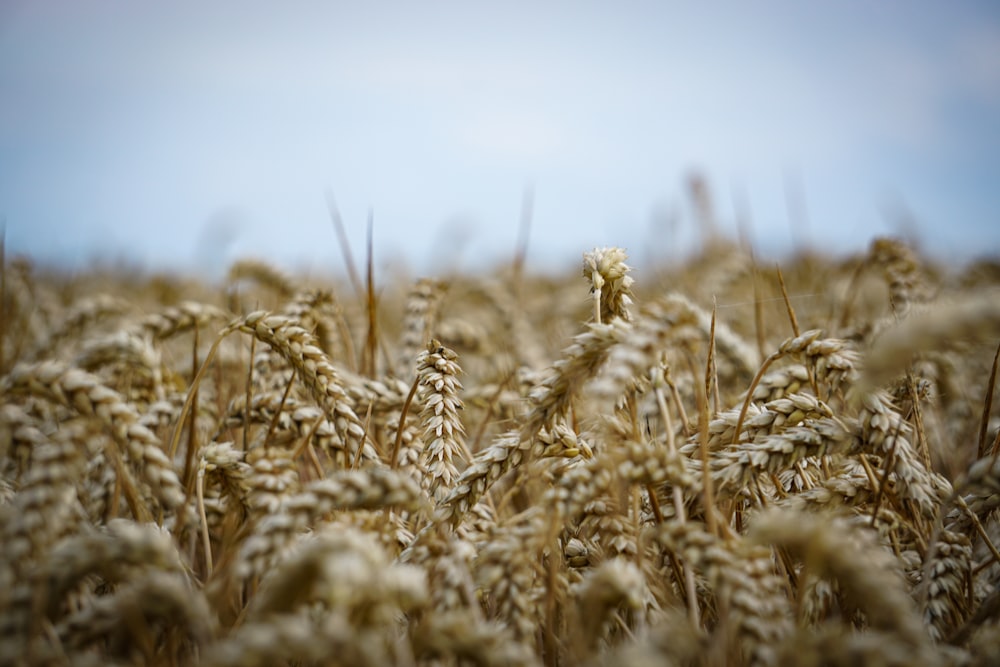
pixel 186 134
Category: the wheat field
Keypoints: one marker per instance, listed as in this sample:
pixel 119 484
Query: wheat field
pixel 717 462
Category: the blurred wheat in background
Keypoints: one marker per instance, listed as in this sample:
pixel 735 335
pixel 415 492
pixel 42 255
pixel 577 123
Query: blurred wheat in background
pixel 705 463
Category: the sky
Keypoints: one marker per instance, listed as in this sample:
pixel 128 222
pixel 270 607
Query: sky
pixel 185 135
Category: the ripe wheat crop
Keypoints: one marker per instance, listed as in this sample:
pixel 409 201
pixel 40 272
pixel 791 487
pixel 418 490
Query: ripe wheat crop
pixel 713 463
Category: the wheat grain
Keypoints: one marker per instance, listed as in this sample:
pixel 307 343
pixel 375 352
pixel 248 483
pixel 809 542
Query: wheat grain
pixel 311 364
pixel 833 501
pixel 438 370
pixel 266 274
pixel 370 488
pixel 85 394
pixel 865 571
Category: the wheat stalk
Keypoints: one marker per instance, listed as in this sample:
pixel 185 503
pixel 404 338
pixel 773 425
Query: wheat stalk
pixel 596 484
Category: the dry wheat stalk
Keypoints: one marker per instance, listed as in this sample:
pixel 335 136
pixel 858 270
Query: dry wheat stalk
pixel 609 514
pixel 297 637
pixel 751 599
pixel 947 603
pixel 81 315
pixel 127 354
pixel 84 393
pixel 614 585
pixel 610 283
pixel 734 467
pixel 124 551
pixel 261 272
pixel 973 317
pixel 311 364
pixel 462 636
pixel 885 431
pixel 438 370
pixel 865 571
pixel 901 271
pixel 550 401
pixel 422 305
pixel 344 570
pixel 512 324
pixel 163 602
pixel 370 488
pixel 181 318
